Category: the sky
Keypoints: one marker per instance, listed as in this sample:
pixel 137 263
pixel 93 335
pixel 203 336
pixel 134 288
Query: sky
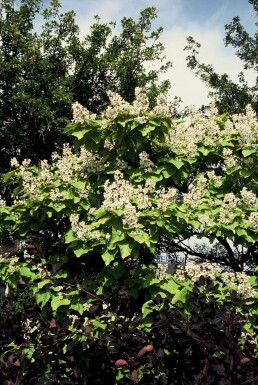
pixel 202 19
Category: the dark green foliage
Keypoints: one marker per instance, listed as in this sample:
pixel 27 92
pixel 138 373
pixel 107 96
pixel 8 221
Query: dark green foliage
pixel 42 72
pixel 201 345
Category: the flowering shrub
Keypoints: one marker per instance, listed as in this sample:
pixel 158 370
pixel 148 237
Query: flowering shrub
pixel 90 222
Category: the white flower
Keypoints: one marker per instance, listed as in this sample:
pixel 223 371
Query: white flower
pixel 81 114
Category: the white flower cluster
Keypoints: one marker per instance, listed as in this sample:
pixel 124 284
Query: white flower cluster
pixel 65 168
pixel 81 114
pixel 141 102
pixel 248 197
pixel 195 196
pixel 239 281
pixel 246 126
pixel 253 220
pixel 30 182
pixel 73 318
pixel 121 195
pixel 138 108
pixel 187 134
pixel 42 269
pixel 28 329
pixel 161 271
pixel 56 195
pixel 197 129
pixel 229 203
pixel 229 159
pixel 12 263
pixel 67 165
pixel 162 108
pixel 145 161
pixel 83 230
pixel 118 194
pixel 206 269
pixel 122 164
pixel 45 172
pixel 184 139
pixel 213 177
pixel 2 202
pixel 89 160
pixel 117 104
pixel 236 281
pixel 251 336
pixel 166 197
pixel 14 163
pixel 108 145
pixel 206 220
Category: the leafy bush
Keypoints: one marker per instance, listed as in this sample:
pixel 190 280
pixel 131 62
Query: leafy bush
pixel 98 309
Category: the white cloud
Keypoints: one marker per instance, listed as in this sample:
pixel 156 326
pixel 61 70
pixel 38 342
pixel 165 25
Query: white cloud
pixel 176 29
pixel 223 60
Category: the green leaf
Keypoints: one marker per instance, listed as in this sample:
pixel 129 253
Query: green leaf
pixel 140 238
pixel 150 280
pixel 26 272
pixel 70 236
pixel 170 286
pixel 77 307
pixel 117 270
pixel 181 295
pixel 225 143
pixel 59 207
pixel 147 128
pixel 176 163
pixel 126 248
pixel 241 232
pixel 104 219
pixel 117 236
pixel 253 281
pixel 49 212
pixel 57 302
pixel 79 185
pixel 248 152
pixel 147 309
pixel 100 212
pixel 43 298
pixel 246 173
pixel 9 175
pixel 80 133
pixel 168 171
pixel 81 249
pixel 108 256
pixel 43 283
pixel 204 151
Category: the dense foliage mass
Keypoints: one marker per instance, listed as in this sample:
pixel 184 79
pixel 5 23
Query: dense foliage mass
pixel 84 301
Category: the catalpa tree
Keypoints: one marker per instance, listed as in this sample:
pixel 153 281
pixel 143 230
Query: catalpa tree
pixel 94 218
pixel 138 178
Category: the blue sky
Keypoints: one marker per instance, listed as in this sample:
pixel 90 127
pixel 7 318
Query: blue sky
pixel 202 19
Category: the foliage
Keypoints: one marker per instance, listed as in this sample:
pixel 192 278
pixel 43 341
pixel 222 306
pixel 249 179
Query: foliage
pixel 230 97
pixel 210 341
pixel 42 71
pixel 89 224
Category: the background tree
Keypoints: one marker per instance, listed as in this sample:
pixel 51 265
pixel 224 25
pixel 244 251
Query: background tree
pixel 43 72
pixel 229 96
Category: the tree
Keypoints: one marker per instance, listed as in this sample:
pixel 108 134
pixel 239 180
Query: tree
pixel 90 222
pixel 43 72
pixel 230 97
